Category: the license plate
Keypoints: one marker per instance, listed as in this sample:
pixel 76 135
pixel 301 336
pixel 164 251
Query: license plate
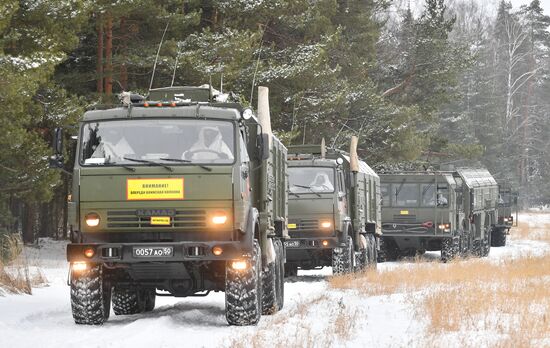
pixel 292 243
pixel 153 251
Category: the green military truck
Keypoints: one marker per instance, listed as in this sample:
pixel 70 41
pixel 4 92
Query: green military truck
pixel 334 210
pixel 507 208
pixel 453 212
pixel 177 195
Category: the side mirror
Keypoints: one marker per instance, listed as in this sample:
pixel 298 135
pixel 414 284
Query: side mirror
pixel 56 161
pixel 58 141
pixel 263 142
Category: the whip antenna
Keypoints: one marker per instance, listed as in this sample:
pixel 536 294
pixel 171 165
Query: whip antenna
pixel 157 57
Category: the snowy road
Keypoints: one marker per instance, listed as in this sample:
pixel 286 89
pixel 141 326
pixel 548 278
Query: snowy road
pixel 311 315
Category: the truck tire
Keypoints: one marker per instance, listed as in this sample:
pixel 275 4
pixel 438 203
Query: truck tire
pixel 498 238
pixel 150 299
pixel 486 244
pixel 280 273
pixel 243 291
pixel 128 301
pixel 90 296
pixel 373 252
pixel 269 288
pixel 382 253
pixel 291 270
pixel 342 259
pixel 476 248
pixel 450 248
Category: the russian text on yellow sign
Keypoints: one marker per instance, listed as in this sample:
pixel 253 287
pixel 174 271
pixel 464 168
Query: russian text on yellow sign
pixel 291 225
pixel 154 189
pixel 160 220
pixel 404 212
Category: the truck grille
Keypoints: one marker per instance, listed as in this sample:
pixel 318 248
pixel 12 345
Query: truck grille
pixel 308 224
pixel 182 219
pixel 404 218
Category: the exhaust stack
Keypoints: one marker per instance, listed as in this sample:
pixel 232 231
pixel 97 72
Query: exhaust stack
pixel 323 149
pixel 263 110
pixel 354 159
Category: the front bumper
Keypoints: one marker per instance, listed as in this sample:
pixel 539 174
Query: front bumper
pixel 182 251
pixel 312 243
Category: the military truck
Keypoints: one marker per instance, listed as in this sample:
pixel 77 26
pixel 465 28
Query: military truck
pixel 507 207
pixel 334 210
pixel 177 195
pixel 453 212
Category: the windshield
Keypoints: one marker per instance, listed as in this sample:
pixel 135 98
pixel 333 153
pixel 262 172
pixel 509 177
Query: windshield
pixel 406 195
pixel 504 198
pixel 125 141
pixel 308 179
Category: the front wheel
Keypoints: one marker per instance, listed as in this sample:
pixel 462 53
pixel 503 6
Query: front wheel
pixel 90 296
pixel 498 237
pixel 243 290
pixel 342 258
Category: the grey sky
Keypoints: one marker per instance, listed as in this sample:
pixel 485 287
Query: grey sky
pixel 545 4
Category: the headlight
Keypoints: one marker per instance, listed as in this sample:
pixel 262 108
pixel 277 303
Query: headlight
pixel 92 220
pixel 326 224
pixel 219 218
pixel 444 227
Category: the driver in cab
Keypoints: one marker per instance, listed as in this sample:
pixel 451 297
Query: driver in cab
pixel 209 146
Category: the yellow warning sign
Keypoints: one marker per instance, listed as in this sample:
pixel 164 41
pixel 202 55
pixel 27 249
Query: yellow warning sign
pixel 154 189
pixel 291 226
pixel 160 220
pixel 404 212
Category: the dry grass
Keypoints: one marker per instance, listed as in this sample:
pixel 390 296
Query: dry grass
pixel 525 231
pixel 509 299
pixel 513 304
pixel 16 276
pixel 298 327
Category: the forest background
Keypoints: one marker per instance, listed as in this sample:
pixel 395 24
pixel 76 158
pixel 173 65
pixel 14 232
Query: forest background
pixel 455 83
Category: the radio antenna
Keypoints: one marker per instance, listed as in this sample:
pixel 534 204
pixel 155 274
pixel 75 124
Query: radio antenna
pixel 257 64
pixel 157 57
pixel 175 68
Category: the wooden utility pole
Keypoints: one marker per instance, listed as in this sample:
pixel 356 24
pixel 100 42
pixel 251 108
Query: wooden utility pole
pixel 123 53
pixel 109 56
pixel 99 65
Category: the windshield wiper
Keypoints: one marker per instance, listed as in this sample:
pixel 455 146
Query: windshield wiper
pixel 148 162
pixel 307 187
pixel 122 165
pixel 399 189
pixel 294 194
pixel 186 161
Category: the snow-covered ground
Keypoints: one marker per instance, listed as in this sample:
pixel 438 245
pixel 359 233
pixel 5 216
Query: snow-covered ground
pixel 314 314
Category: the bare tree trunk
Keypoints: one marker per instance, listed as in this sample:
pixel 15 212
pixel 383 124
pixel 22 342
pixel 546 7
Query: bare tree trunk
pixel 99 65
pixel 28 227
pixel 109 56
pixel 123 53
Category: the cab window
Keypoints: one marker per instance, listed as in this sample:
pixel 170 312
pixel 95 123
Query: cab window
pixel 405 195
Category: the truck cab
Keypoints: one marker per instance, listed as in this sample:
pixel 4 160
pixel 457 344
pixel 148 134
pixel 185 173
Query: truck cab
pixel 177 196
pixel 334 215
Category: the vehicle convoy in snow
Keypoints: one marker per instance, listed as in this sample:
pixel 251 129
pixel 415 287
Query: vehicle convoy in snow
pixel 334 210
pixel 177 195
pixel 453 212
pixel 507 207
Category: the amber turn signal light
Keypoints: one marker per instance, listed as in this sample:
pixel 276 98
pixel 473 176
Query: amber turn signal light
pixel 217 250
pixel 89 252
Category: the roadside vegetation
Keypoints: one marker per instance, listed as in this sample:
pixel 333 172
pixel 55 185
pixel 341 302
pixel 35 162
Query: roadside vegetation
pixel 17 275
pixel 504 303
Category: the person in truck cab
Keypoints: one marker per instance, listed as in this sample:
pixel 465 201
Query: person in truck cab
pixel 209 146
pixel 321 183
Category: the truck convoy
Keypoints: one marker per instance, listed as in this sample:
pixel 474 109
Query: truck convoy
pixel 177 195
pixel 507 206
pixel 454 212
pixel 334 210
